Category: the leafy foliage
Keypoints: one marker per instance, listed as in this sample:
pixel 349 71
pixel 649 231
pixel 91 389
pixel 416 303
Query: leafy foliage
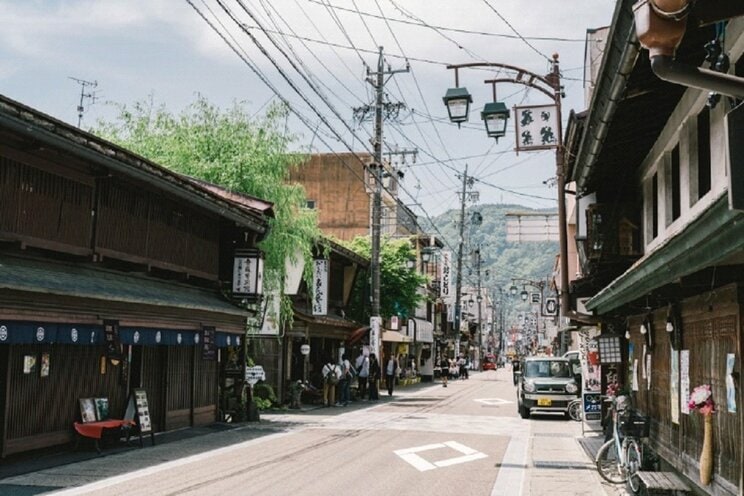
pixel 503 259
pixel 236 151
pixel 399 285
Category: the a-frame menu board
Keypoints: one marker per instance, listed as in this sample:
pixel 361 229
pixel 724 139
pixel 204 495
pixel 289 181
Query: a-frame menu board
pixel 139 410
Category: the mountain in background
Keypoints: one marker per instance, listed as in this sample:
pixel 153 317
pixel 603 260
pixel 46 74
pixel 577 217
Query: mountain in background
pixel 504 260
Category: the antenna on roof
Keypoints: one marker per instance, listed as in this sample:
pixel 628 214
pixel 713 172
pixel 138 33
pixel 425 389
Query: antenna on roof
pixel 84 96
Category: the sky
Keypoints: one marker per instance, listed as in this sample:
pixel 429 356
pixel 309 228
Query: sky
pixel 170 51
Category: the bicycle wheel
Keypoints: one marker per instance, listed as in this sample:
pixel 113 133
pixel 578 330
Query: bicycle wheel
pixel 574 410
pixel 608 463
pixel 633 460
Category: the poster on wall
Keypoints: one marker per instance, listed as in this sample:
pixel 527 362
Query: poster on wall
pixel 648 373
pixel 44 370
pixel 643 363
pixel 29 364
pixel 684 380
pixel 674 385
pixel 635 375
pixel 730 386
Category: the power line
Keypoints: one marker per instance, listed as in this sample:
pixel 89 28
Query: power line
pixel 515 31
pixel 456 30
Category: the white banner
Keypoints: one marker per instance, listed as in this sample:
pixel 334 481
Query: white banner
pixel 445 278
pixel 247 275
pixel 320 287
pixel 536 127
pixel 271 318
pixel 374 335
pixel 293 275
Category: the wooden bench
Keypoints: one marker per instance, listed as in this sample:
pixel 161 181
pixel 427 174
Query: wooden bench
pixel 96 422
pixel 660 483
pixel 95 430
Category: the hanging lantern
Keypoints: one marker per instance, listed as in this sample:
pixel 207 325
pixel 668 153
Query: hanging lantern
pixel 458 102
pixel 495 116
pixel 248 274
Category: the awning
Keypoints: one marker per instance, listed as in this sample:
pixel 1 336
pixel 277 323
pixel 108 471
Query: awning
pixel 357 335
pixel 35 276
pixel 19 332
pixel 395 337
pixel 423 330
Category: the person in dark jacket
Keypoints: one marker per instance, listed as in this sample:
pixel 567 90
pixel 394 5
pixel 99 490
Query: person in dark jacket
pixel 374 377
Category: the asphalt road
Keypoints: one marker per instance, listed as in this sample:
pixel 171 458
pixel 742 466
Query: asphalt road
pixel 464 440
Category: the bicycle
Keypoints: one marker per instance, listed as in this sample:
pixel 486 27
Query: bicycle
pixel 620 458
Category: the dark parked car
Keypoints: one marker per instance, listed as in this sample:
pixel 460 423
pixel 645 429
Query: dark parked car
pixel 545 385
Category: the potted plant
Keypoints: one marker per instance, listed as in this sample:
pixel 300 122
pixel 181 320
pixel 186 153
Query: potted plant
pixel 701 400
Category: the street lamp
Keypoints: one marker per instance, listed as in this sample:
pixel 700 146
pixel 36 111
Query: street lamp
pixel 537 127
pixel 513 290
pixel 495 115
pixel 458 102
pixel 524 294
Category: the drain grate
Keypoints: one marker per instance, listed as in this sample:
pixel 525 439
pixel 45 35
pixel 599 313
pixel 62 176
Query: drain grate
pixel 562 465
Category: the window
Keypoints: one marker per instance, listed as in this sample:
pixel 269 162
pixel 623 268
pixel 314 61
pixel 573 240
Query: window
pixel 703 152
pixel 674 188
pixel 310 204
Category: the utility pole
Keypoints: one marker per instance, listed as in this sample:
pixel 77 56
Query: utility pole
pixel 84 96
pixel 479 299
pixel 377 80
pixel 458 284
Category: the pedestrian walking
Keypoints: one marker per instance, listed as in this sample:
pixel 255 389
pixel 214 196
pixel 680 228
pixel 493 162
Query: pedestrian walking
pixel 462 365
pixel 444 370
pixel 331 376
pixel 391 368
pixel 374 377
pixel 345 383
pixel 362 366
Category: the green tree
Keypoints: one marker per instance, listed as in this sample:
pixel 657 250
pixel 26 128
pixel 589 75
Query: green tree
pixel 399 285
pixel 232 149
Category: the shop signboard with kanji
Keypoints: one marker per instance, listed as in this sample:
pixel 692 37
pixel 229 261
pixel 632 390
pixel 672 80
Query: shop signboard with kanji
pixel 536 127
pixel 320 287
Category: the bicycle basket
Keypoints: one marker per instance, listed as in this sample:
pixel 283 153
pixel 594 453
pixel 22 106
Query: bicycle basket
pixel 635 426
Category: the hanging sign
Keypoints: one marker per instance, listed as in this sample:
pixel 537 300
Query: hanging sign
pixel 445 278
pixel 320 287
pixel 209 347
pixel 247 273
pixel 536 127
pixel 551 307
pixel 254 374
pixel 113 344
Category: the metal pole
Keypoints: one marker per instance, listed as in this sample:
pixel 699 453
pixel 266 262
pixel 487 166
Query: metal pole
pixel 565 307
pixel 377 206
pixel 458 284
pixel 479 299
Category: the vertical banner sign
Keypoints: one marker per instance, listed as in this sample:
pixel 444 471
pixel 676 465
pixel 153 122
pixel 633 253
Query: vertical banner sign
pixel 684 380
pixel 674 385
pixel 536 127
pixel 374 335
pixel 247 273
pixel 320 287
pixel 445 278
pixel 111 336
pixel 209 348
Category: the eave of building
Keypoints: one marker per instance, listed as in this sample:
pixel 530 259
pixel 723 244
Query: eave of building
pixel 629 107
pixel 32 124
pixel 710 240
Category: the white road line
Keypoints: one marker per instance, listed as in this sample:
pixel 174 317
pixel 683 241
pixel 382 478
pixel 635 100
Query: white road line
pixel 513 470
pixel 418 462
pixel 460 459
pixel 419 448
pixel 112 481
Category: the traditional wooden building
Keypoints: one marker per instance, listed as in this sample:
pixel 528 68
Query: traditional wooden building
pixel 658 167
pixel 114 273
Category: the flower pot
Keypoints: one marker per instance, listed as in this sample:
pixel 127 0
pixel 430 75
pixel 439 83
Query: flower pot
pixel 706 455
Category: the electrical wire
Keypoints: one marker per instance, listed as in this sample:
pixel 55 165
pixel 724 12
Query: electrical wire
pixel 456 30
pixel 516 32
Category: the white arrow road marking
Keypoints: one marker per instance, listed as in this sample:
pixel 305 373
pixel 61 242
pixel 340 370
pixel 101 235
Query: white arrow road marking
pixel 410 455
pixel 493 401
